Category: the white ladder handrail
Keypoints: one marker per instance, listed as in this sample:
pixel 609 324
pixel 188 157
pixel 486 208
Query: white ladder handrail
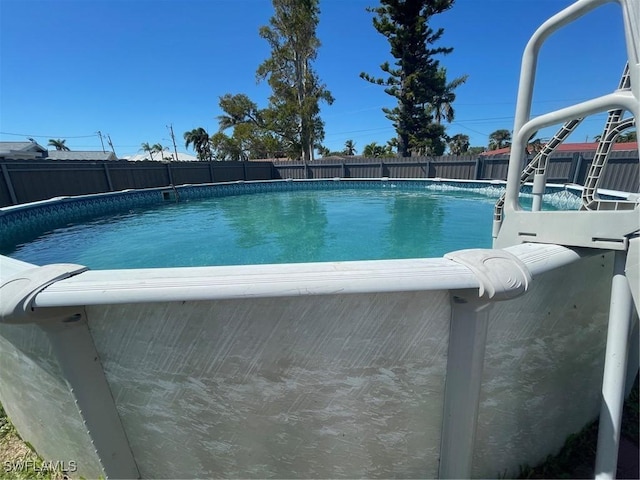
pixel 524 126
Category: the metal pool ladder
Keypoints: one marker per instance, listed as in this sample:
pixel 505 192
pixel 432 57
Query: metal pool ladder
pixel 611 225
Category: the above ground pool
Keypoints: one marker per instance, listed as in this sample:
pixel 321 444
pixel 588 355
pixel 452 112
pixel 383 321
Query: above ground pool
pixel 358 221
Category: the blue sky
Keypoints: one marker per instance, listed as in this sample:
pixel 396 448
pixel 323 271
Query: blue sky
pixel 129 68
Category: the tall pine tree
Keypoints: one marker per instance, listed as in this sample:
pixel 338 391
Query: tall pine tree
pixel 416 79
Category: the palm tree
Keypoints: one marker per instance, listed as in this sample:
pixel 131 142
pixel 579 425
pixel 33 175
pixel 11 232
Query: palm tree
pixel 370 149
pixel 375 150
pixel 459 144
pixel 158 148
pixel 442 105
pixel 499 139
pixel 58 144
pixel 349 147
pixel 148 148
pixel 631 136
pixel 323 151
pixel 199 138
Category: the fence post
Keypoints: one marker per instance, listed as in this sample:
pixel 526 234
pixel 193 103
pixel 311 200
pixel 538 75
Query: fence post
pixel 343 170
pixel 170 173
pixel 427 166
pixel 381 168
pixel 7 180
pixel 478 169
pixel 577 165
pixel 107 175
pixel 244 170
pixel 211 175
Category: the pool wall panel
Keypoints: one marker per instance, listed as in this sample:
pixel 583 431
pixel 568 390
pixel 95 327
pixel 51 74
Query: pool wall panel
pixel 315 386
pixel 330 385
pixel 543 367
pixel 38 401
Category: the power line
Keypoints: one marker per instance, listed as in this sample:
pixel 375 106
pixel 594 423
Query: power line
pixel 46 136
pixel 471 129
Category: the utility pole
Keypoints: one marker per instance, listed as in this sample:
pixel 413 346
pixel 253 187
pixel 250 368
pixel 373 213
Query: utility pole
pixel 100 135
pixel 111 144
pixel 173 139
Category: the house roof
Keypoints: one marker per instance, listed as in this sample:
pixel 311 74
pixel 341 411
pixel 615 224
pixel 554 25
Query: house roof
pixel 24 146
pixel 21 150
pixel 80 155
pixel 182 157
pixel 573 147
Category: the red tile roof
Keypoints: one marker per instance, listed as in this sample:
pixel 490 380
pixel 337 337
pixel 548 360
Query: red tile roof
pixel 574 147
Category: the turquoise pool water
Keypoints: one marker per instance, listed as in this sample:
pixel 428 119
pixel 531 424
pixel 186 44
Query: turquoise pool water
pixel 277 227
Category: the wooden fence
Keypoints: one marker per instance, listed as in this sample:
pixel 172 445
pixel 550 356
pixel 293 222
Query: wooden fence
pixel 32 180
pixel 622 172
pixel 26 181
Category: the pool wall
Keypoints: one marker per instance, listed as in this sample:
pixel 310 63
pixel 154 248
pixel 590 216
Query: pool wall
pixel 341 369
pixel 327 370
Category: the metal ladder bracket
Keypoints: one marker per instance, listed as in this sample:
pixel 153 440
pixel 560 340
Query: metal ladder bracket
pixel 501 275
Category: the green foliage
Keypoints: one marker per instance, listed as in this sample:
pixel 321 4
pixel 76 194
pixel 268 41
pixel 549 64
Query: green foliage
pixel 475 150
pixel 323 151
pixel 6 427
pixel 499 139
pixel 442 105
pixel 291 122
pixel 459 144
pixel 148 148
pixel 349 147
pixel 21 456
pixel 247 141
pixel 158 148
pixel 416 79
pixel 256 133
pixel 631 136
pixel 374 150
pixel 577 457
pixel 58 144
pixel 199 138
pixel 631 415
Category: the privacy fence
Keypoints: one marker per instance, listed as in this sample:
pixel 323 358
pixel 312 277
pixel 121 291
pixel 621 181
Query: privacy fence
pixel 32 180
pixel 26 181
pixel 621 172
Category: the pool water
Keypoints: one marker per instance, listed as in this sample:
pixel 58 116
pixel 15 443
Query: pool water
pixel 278 227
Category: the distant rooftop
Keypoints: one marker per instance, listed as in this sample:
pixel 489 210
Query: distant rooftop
pixel 22 150
pixel 182 157
pixel 573 147
pixel 80 155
